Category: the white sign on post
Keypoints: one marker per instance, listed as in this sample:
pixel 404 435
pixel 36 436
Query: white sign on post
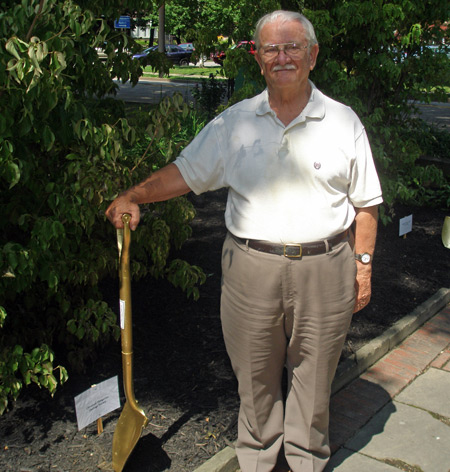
pixel 96 402
pixel 405 225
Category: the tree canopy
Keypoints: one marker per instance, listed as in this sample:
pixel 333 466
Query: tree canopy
pixel 376 57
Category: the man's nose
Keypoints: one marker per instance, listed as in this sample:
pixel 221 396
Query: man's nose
pixel 282 57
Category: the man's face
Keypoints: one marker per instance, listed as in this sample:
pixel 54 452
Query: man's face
pixel 282 70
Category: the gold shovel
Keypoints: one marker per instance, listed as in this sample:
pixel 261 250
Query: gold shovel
pixel 132 419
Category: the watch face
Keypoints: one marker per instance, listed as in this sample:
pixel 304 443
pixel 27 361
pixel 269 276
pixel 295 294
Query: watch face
pixel 365 258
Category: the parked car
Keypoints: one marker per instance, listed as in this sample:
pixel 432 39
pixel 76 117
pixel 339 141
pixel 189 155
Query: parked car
pixel 103 54
pixel 176 54
pixel 187 46
pixel 219 56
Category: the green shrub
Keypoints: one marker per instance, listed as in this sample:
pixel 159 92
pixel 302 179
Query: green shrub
pixel 65 153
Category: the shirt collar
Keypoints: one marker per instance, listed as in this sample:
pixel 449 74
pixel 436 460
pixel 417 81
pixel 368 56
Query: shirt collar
pixel 262 106
pixel 315 108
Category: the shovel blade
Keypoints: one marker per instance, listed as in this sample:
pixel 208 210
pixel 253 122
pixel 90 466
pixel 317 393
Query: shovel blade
pixel 131 422
pixel 446 232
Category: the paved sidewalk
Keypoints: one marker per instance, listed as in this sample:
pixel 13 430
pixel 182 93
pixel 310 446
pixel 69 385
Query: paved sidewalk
pixel 394 414
pixel 397 413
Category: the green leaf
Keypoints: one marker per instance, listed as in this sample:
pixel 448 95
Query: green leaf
pixel 48 138
pixel 72 326
pixel 12 174
pixel 41 51
pixel 2 316
pixel 53 280
pixel 17 351
pixel 11 47
pixel 80 332
pixel 63 375
pixel 27 377
pixel 12 260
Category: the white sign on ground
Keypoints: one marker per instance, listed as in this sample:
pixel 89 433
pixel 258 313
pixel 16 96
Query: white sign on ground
pixel 96 402
pixel 405 225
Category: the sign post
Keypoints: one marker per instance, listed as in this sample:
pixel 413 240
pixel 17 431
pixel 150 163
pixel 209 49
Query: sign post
pixel 405 226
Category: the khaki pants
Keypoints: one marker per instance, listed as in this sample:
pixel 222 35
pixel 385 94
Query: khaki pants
pixel 279 312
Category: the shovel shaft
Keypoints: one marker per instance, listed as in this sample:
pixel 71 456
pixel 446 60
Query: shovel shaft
pixel 126 322
pixel 128 384
pixel 125 290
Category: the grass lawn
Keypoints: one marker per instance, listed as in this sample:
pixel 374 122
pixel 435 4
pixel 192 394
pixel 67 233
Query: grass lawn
pixel 187 71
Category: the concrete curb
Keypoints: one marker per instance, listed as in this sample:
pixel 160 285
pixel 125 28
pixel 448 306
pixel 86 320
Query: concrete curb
pixel 355 365
pixel 372 352
pixel 223 461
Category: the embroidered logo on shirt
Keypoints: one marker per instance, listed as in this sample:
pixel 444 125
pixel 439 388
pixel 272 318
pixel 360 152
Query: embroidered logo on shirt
pixel 317 165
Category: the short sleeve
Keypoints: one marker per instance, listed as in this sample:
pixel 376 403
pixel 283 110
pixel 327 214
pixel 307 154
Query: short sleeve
pixel 365 188
pixel 201 163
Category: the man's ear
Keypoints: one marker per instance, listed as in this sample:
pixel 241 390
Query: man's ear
pixel 313 53
pixel 259 61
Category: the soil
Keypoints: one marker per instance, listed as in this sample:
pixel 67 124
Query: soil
pixel 183 379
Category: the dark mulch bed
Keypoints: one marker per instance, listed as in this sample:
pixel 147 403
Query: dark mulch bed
pixel 182 376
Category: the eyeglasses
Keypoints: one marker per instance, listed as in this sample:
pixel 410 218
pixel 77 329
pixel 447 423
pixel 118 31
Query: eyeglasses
pixel 292 50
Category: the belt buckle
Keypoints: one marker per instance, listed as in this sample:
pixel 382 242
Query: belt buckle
pixel 292 256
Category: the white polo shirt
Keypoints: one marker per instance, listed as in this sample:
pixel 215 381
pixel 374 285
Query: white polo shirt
pixel 287 184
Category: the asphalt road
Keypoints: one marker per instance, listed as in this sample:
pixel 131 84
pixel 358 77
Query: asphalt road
pixel 436 113
pixel 153 90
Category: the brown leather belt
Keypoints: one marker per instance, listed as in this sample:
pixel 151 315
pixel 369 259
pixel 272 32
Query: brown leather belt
pixel 295 250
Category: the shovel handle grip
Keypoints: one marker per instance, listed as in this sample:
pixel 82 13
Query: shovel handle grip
pixel 126 218
pixel 124 253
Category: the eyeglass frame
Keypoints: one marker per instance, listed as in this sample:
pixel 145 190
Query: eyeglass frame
pixel 279 50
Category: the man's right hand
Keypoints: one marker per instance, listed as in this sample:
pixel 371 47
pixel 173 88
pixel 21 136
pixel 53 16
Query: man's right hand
pixel 121 205
pixel 160 186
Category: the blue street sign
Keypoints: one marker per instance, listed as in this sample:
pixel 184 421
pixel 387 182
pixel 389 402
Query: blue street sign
pixel 123 22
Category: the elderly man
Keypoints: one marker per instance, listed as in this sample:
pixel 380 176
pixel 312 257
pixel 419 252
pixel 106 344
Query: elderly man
pixel 302 219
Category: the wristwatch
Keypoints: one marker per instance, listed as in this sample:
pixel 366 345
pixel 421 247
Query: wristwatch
pixel 365 258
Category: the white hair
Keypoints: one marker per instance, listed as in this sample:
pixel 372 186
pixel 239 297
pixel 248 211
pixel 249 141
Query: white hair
pixel 285 16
